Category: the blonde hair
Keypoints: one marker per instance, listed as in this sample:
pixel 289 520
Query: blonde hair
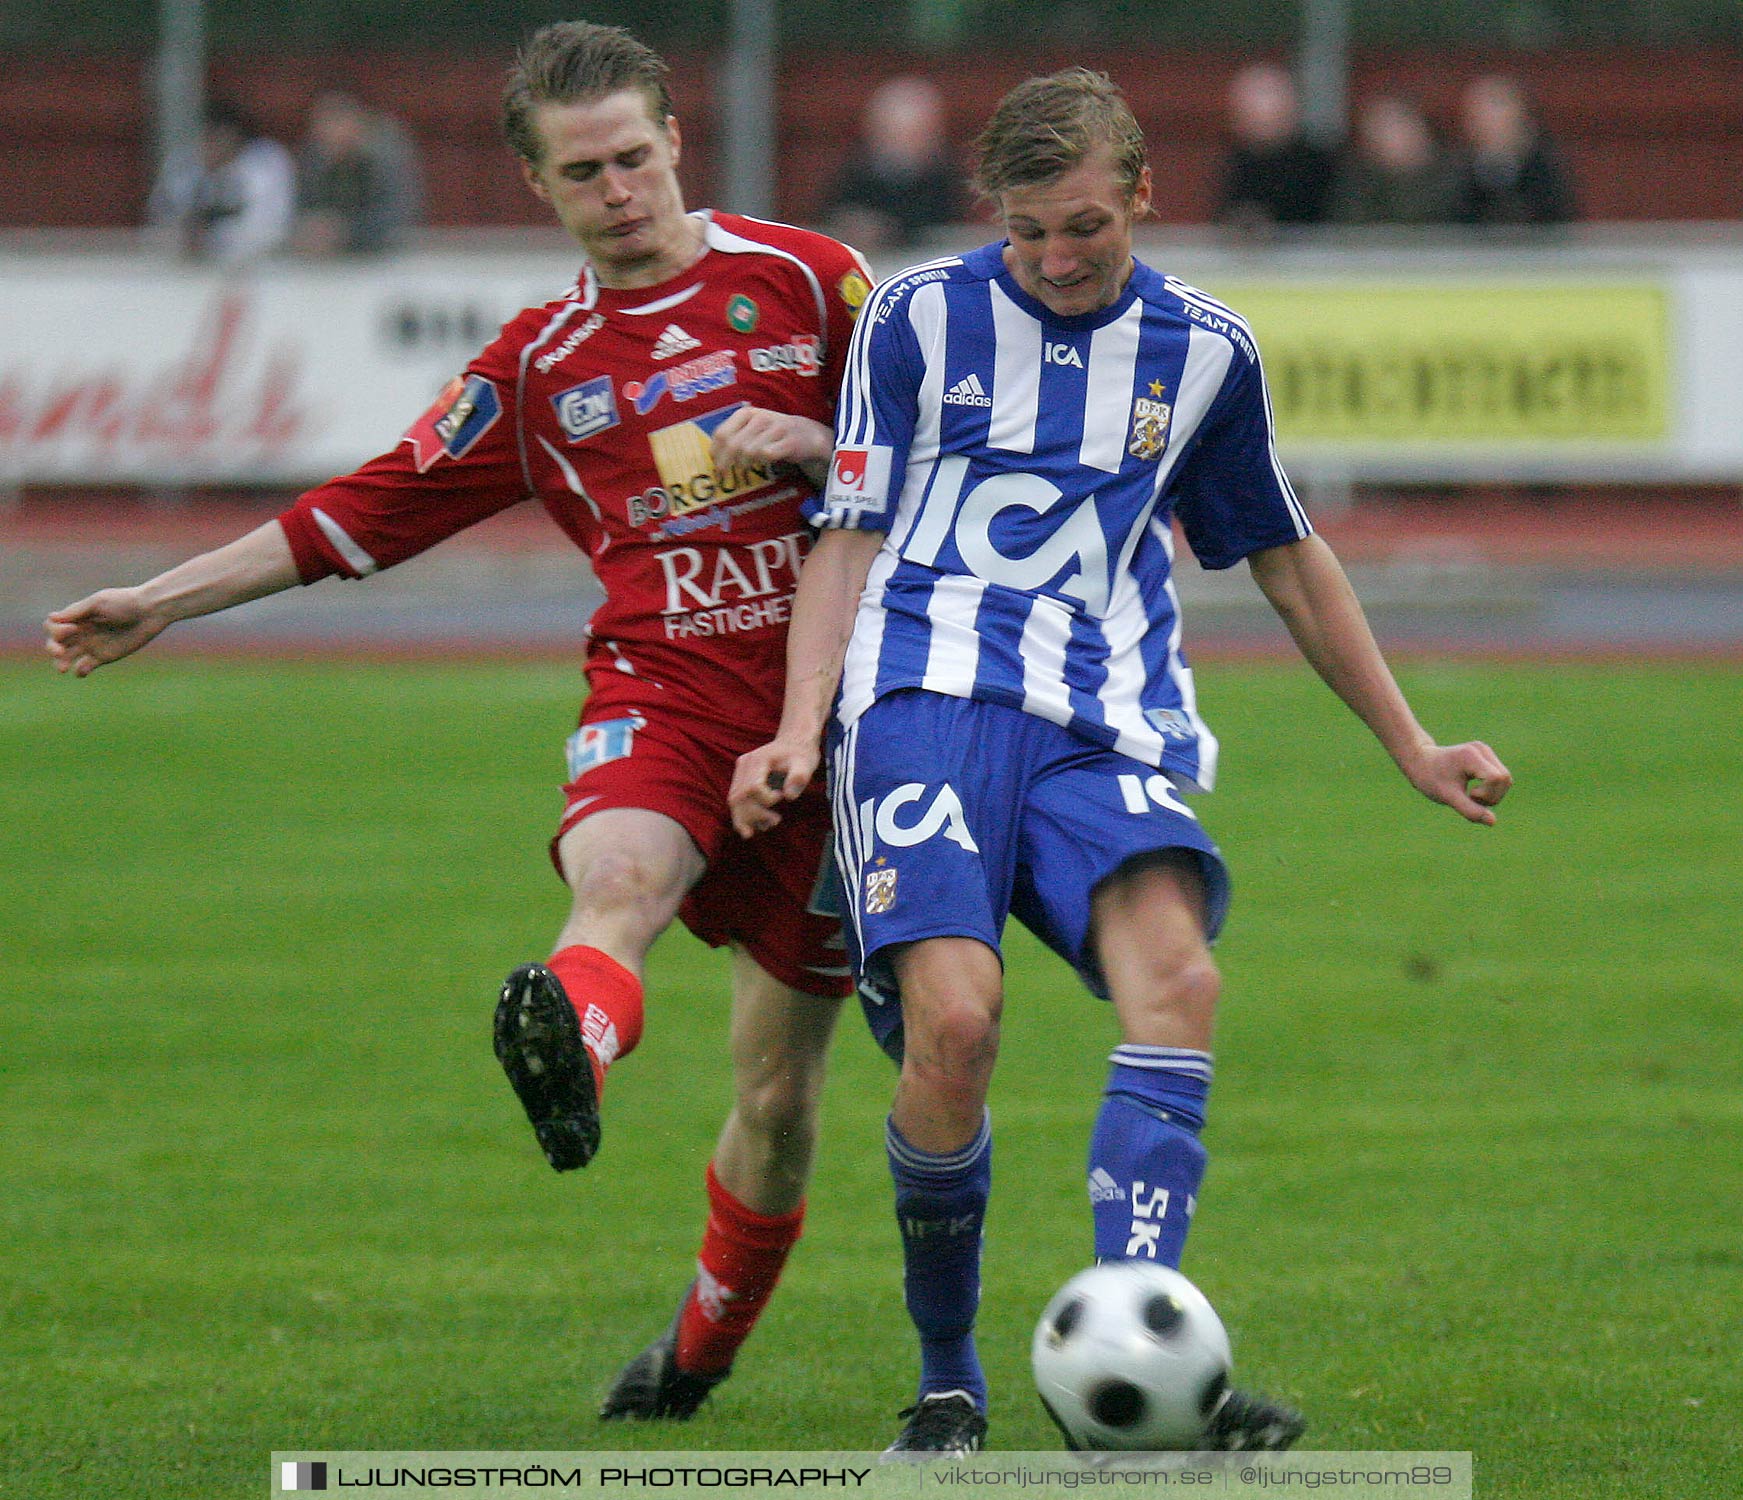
pixel 1046 126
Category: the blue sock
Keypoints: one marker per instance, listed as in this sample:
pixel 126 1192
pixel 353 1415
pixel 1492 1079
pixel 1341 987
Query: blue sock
pixel 1145 1158
pixel 940 1205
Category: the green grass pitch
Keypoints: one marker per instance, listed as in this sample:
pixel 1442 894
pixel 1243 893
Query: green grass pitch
pixel 1476 1145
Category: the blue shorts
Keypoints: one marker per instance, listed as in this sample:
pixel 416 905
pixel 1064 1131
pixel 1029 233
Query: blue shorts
pixel 952 814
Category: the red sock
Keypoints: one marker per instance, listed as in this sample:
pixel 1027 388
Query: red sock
pixel 607 998
pixel 741 1259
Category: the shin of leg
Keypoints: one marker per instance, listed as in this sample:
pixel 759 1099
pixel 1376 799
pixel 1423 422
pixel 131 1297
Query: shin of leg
pixel 952 995
pixel 1148 1167
pixel 628 870
pixel 1145 1153
pixel 941 1200
pixel 1149 936
pixel 780 1044
pixel 740 1262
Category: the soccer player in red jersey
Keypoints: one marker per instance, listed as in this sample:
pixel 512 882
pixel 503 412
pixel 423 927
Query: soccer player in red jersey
pixel 671 412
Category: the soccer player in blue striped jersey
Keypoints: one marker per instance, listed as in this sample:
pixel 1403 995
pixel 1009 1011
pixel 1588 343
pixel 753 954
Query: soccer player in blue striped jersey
pixel 990 610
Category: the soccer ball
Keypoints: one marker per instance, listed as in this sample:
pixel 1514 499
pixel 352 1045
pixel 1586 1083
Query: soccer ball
pixel 1130 1355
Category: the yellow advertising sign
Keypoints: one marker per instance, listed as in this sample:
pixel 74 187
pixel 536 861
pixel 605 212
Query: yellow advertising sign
pixel 1459 361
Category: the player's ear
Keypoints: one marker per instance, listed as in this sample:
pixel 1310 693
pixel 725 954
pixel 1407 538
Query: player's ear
pixel 529 174
pixel 674 137
pixel 1141 195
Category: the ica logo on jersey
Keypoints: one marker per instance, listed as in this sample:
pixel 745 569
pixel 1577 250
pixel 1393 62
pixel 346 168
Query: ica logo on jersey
pixel 1076 543
pixel 1064 548
pixel 1061 354
pixel 941 811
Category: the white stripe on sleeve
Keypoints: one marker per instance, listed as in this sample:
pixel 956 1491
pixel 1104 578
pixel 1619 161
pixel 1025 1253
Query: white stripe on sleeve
pixel 356 559
pixel 927 317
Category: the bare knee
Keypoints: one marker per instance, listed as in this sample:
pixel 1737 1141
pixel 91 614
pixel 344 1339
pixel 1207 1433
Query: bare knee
pixel 1149 935
pixel 627 871
pixel 778 1103
pixel 952 994
pixel 952 1045
pixel 615 881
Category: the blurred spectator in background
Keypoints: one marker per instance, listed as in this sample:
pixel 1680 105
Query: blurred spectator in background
pixel 1275 173
pixel 1397 171
pixel 1512 172
pixel 235 202
pixel 901 180
pixel 359 190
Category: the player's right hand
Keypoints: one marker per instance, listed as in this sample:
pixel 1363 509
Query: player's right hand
pixel 1468 778
pixel 765 778
pixel 753 435
pixel 102 628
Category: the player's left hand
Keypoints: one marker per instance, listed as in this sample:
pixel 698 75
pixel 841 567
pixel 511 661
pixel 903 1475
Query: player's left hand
pixel 752 435
pixel 764 779
pixel 1468 778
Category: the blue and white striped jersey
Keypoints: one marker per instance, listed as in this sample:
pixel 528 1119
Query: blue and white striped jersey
pixel 1026 468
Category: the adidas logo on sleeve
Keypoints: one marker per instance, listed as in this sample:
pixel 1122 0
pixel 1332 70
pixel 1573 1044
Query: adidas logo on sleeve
pixel 674 341
pixel 967 392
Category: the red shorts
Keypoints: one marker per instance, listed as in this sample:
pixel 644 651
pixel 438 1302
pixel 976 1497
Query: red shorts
pixel 768 893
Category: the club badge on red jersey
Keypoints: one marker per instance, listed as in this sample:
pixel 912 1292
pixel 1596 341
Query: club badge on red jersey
pixel 467 409
pixel 742 312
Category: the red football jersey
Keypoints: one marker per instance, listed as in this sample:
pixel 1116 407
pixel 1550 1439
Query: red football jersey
pixel 601 405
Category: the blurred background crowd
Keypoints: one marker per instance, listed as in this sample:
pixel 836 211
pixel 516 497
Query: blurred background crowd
pixel 345 128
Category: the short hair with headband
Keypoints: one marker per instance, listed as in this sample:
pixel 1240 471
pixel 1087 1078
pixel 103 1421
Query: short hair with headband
pixel 576 62
pixel 1046 126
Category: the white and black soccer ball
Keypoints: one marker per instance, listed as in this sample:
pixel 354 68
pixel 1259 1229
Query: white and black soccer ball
pixel 1131 1355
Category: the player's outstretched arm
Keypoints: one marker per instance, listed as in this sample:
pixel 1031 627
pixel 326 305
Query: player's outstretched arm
pixel 824 608
pixel 115 623
pixel 1307 587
